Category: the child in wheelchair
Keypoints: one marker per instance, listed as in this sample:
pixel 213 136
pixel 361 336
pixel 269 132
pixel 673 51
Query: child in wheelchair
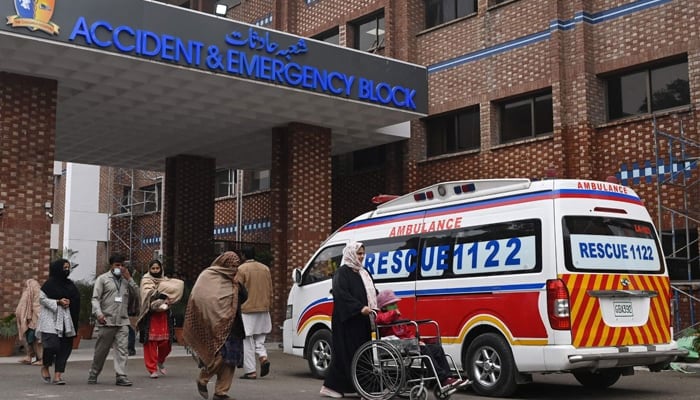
pixel 389 313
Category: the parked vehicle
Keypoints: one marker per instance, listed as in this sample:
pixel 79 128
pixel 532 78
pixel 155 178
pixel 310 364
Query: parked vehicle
pixel 522 276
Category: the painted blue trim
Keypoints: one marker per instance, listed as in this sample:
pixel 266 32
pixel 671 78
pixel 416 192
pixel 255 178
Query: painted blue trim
pixel 579 17
pixel 482 289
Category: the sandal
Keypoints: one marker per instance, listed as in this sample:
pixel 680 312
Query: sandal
pixel 249 375
pixel 265 368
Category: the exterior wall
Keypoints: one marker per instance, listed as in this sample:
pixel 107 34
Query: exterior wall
pixel 27 130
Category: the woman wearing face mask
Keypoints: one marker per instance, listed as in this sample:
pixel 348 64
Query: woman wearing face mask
pixel 58 319
pixel 155 324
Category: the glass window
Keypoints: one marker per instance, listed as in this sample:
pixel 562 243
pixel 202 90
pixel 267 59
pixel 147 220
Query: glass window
pixel 259 180
pixel 667 86
pixel 369 33
pixel 496 249
pixel 151 197
pixel 440 11
pixel 610 244
pixel 526 117
pixel 324 265
pixel 454 132
pixel 391 260
pixel 225 183
pixel 331 36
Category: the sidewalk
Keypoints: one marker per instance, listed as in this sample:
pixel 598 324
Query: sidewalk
pixel 87 348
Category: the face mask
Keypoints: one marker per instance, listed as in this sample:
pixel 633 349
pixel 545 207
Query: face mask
pixel 157 274
pixel 66 272
pixel 117 272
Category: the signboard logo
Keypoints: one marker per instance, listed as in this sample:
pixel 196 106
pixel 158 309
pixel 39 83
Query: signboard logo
pixel 34 15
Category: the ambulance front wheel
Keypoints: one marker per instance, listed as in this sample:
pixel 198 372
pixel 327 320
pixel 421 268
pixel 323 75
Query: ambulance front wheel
pixel 490 366
pixel 600 379
pixel 319 356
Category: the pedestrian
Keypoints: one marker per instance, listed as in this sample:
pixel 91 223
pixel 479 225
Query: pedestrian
pixel 213 328
pixel 156 330
pixel 354 297
pixel 255 276
pixel 389 313
pixel 110 299
pixel 58 319
pixel 27 313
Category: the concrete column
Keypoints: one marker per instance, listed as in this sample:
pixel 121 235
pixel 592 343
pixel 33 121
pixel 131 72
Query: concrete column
pixel 188 222
pixel 300 209
pixel 27 140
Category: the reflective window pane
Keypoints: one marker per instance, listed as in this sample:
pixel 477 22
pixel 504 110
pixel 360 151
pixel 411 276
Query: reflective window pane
pixel 465 7
pixel 544 119
pixel 669 87
pixel 516 120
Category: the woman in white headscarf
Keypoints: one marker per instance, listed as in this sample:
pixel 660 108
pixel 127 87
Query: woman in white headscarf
pixel 354 297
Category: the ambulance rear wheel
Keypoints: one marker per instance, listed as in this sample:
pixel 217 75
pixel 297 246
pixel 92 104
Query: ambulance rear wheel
pixel 600 379
pixel 319 356
pixel 490 365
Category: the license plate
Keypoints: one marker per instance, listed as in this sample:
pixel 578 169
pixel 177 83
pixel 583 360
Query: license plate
pixel 623 309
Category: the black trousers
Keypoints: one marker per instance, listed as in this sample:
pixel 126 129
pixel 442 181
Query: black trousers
pixel 437 356
pixel 56 350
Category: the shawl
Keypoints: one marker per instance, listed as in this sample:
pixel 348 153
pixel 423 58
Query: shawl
pixel 150 286
pixel 27 311
pixel 351 260
pixel 211 309
pixel 59 286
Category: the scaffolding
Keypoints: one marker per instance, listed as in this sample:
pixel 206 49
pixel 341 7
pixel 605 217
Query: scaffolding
pixel 135 219
pixel 678 201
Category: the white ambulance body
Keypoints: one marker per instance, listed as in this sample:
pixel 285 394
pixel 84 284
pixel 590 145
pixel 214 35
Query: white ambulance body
pixel 522 277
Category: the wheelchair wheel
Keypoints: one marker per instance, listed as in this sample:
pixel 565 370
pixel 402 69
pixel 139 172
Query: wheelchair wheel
pixel 377 371
pixel 418 392
pixel 443 395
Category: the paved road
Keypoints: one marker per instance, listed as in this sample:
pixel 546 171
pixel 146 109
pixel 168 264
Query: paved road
pixel 290 380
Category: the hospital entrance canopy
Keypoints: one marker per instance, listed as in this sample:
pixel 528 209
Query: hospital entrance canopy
pixel 139 81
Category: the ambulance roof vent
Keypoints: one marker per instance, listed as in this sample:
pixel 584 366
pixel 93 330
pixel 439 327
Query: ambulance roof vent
pixel 452 191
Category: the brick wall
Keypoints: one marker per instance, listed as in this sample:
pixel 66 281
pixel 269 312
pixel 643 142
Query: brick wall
pixel 27 129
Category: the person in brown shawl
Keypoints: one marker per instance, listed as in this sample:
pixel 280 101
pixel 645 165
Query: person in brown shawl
pixel 213 328
pixel 27 313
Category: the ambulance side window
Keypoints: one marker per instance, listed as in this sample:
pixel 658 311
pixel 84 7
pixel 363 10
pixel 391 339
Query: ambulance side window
pixel 324 265
pixel 392 260
pixel 494 249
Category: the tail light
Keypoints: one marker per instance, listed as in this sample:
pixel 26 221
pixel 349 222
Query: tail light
pixel 558 305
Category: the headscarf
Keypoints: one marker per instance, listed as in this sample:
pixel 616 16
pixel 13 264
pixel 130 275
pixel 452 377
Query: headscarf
pixel 151 285
pixel 212 307
pixel 27 311
pixel 352 261
pixel 58 286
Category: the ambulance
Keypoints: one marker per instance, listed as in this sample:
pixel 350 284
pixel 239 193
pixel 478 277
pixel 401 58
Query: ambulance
pixel 523 277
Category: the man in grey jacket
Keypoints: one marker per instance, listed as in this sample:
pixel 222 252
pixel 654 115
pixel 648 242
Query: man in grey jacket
pixel 110 301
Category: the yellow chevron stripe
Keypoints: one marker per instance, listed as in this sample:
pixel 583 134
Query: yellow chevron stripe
pixel 312 320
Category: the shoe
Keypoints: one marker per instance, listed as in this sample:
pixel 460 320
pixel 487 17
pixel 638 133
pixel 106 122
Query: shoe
pixel 123 381
pixel 132 352
pixel 222 397
pixel 154 375
pixel 45 375
pixel 326 392
pixel 249 375
pixel 59 382
pixel 451 382
pixel 161 368
pixel 202 389
pixel 92 379
pixel 265 368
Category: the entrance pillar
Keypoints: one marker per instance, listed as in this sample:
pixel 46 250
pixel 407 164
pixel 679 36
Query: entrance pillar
pixel 188 220
pixel 27 140
pixel 300 209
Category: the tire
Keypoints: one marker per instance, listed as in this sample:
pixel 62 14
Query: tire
pixel 490 366
pixel 319 355
pixel 600 379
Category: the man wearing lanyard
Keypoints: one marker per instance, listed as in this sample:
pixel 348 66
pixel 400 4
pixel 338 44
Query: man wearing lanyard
pixel 110 300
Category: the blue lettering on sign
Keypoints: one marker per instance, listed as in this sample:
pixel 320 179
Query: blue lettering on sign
pixel 391 264
pixel 272 64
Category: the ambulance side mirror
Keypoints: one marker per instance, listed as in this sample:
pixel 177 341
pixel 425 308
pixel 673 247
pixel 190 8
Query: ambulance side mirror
pixel 296 276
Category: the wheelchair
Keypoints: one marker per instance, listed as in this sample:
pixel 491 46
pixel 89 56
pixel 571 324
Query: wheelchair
pixel 383 369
